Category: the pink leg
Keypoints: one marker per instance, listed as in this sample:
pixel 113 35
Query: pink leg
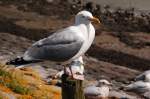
pixel 71 72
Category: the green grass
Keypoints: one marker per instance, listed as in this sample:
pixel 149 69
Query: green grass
pixel 16 87
pixel 8 80
pixel 27 87
pixel 4 73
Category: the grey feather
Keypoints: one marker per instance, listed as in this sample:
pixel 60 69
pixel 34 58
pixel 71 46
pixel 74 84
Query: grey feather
pixel 60 46
pixel 138 86
pixel 142 76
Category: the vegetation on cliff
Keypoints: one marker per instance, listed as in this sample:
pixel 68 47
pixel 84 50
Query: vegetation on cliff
pixel 25 84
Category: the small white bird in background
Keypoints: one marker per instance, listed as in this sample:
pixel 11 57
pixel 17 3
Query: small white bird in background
pixel 141 85
pixel 63 46
pixel 100 90
pixel 138 87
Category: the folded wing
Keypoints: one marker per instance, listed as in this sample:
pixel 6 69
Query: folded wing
pixel 60 46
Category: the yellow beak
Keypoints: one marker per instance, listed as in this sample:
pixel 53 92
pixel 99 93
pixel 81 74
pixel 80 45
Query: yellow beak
pixel 95 20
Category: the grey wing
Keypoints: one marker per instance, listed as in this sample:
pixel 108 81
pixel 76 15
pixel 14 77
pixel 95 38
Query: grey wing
pixel 57 47
pixel 142 76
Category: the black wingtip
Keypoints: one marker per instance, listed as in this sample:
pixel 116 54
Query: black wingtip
pixel 18 61
pixel 21 61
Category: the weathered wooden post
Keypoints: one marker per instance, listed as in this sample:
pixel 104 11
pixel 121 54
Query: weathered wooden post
pixel 72 88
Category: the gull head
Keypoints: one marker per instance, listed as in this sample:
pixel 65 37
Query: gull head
pixel 103 82
pixel 85 17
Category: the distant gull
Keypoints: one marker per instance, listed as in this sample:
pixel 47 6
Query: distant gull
pixel 64 46
pixel 142 83
pixel 138 87
pixel 101 90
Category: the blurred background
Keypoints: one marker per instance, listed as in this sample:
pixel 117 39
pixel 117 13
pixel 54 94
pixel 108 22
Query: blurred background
pixel 120 51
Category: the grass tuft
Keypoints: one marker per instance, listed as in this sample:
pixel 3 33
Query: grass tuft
pixel 16 87
pixel 13 82
pixel 4 73
pixel 26 84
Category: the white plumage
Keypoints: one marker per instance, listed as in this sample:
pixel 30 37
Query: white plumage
pixel 142 83
pixel 63 46
pixel 139 87
pixel 100 90
pixel 67 44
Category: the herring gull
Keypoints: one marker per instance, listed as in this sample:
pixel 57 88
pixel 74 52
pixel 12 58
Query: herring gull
pixel 64 45
pixel 142 83
pixel 138 87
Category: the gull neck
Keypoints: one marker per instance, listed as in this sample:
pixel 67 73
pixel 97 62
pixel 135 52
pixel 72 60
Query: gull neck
pixel 84 27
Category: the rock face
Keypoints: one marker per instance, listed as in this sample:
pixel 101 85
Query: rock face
pixel 124 3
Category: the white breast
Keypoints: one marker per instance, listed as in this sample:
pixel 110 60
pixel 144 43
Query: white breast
pixel 88 34
pixel 104 91
pixel 91 36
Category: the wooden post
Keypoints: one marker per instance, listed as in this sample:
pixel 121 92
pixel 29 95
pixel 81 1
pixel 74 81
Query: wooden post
pixel 72 89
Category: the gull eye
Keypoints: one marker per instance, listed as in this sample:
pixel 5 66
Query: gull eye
pixel 82 16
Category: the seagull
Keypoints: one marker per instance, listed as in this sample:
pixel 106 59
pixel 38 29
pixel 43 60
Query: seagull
pixel 138 87
pixel 99 90
pixel 142 83
pixel 63 46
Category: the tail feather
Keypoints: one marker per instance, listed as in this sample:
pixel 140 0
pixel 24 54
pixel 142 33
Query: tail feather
pixel 18 61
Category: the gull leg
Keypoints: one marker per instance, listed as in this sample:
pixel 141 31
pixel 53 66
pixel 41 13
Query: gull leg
pixel 60 73
pixel 77 68
pixel 65 71
pixel 72 75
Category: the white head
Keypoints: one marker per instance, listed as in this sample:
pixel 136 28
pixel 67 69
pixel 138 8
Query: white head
pixel 85 17
pixel 103 82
